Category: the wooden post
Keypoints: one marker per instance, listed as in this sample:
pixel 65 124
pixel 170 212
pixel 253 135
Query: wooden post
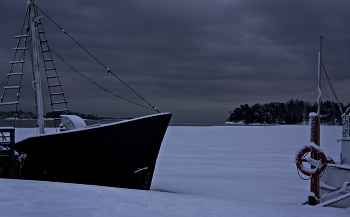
pixel 315 135
pixel 315 130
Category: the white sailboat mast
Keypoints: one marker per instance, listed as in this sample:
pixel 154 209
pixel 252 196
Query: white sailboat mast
pixel 36 68
pixel 319 88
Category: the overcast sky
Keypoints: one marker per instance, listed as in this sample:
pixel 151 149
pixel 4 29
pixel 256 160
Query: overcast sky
pixel 198 59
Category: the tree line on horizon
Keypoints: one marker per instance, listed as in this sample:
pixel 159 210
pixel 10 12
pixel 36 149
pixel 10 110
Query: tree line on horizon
pixel 31 115
pixel 289 112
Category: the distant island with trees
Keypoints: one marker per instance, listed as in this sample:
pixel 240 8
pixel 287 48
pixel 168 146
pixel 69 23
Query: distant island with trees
pixel 290 112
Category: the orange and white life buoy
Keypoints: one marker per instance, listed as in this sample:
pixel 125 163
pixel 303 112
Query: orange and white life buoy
pixel 321 163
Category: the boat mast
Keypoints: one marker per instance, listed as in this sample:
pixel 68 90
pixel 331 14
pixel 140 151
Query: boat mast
pixel 319 88
pixel 35 65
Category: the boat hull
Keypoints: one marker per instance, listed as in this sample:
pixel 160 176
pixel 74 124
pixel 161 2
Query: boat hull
pixel 334 185
pixel 122 154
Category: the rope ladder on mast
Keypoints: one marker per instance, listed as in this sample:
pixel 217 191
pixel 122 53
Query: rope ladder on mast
pixel 58 102
pixel 12 83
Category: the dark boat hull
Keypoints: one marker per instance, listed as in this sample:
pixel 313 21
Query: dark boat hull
pixel 122 154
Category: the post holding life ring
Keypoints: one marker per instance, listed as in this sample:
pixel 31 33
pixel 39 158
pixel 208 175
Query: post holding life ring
pixel 322 162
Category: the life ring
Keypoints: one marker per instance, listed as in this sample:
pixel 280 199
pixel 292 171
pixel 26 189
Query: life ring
pixel 322 162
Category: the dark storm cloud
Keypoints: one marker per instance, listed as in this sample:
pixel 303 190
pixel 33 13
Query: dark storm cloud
pixel 197 59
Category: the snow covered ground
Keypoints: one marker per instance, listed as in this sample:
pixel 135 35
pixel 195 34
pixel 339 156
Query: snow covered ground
pixel 213 171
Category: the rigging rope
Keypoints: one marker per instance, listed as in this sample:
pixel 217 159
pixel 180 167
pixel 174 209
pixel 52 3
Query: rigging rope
pixel 324 83
pixel 4 81
pixel 324 69
pixel 108 70
pixel 94 83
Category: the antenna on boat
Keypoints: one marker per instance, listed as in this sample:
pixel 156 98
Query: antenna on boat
pixel 35 65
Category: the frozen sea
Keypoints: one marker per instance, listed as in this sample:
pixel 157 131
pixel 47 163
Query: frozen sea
pixel 200 171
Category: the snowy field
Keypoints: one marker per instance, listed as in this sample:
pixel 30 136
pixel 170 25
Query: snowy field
pixel 200 171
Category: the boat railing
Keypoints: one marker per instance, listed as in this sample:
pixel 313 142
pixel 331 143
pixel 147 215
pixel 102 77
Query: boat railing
pixel 8 162
pixel 7 136
pixel 342 192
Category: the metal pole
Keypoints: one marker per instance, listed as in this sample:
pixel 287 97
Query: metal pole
pixel 315 128
pixel 319 88
pixel 36 68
